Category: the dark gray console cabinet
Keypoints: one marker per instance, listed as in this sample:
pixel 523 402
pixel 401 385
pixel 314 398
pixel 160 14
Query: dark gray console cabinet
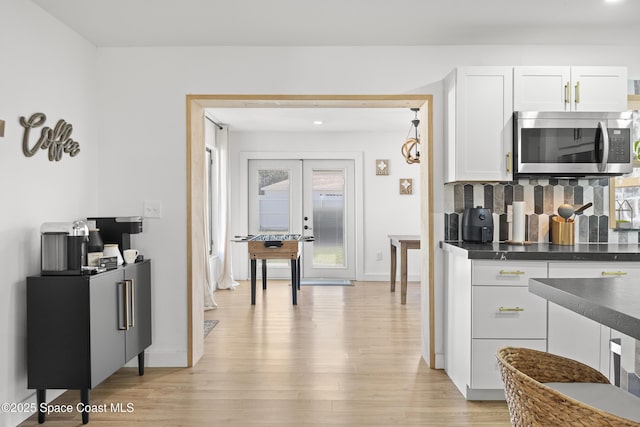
pixel 81 329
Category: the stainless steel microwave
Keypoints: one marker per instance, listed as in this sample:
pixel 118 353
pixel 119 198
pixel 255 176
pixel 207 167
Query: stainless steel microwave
pixel 572 144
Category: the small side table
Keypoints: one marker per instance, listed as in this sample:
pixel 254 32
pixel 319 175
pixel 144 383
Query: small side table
pixel 405 242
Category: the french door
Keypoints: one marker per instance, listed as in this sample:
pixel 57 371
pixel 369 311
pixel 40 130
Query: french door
pixel 314 198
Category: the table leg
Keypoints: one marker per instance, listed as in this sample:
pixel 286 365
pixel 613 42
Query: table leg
pixel 264 274
pixel 403 273
pixel 84 398
pixel 253 282
pixel 392 279
pixel 299 273
pixel 141 363
pixel 294 285
pixel 41 398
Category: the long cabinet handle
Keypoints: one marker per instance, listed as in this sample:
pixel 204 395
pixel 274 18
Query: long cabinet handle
pixel 132 303
pixel 577 93
pixel 510 309
pixel 122 305
pixel 567 95
pixel 509 162
pixel 511 273
pixel 126 306
pixel 614 273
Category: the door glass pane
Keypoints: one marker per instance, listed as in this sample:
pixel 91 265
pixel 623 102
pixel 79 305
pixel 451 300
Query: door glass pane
pixel 328 218
pixel 273 203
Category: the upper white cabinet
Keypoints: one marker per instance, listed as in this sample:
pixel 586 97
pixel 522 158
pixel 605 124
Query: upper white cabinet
pixel 570 89
pixel 478 124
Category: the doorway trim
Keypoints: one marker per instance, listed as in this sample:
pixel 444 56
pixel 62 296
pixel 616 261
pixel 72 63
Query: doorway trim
pixel 195 144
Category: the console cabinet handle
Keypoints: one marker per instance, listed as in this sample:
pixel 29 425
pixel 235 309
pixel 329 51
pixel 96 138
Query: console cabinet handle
pixel 132 304
pixel 123 306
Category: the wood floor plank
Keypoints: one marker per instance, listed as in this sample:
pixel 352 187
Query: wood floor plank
pixel 344 356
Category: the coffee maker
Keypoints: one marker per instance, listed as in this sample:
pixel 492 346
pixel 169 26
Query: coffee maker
pixel 63 248
pixel 118 229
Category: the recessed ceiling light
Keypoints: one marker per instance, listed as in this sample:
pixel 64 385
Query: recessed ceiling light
pixel 318 122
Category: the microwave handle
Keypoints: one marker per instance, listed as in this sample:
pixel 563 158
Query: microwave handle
pixel 605 146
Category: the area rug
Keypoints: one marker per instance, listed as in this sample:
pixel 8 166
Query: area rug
pixel 209 325
pixel 325 282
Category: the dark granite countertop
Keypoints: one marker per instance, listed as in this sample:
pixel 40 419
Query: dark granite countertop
pixel 613 302
pixel 544 251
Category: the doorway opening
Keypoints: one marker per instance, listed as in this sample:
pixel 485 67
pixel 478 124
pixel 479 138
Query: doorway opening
pixel 196 105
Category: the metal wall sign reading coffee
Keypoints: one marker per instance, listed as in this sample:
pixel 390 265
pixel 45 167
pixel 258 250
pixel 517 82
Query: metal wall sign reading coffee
pixel 57 140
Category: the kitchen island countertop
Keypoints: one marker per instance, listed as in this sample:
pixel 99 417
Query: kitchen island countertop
pixel 613 302
pixel 544 251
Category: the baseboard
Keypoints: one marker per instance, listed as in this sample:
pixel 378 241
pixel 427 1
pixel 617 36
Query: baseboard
pixel 385 278
pixel 161 359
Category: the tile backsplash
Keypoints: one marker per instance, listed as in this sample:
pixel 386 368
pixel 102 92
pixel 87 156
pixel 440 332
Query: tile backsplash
pixel 542 198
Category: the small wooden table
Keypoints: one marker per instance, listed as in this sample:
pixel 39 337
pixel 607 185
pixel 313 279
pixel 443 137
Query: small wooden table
pixel 405 242
pixel 275 246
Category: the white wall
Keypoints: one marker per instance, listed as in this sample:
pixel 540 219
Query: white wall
pixel 45 68
pixel 385 211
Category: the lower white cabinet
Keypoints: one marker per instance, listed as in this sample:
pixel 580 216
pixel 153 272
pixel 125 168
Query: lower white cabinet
pixel 507 312
pixel 484 365
pixel 489 306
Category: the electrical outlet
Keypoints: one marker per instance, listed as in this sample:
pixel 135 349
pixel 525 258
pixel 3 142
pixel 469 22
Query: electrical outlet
pixel 379 256
pixel 152 209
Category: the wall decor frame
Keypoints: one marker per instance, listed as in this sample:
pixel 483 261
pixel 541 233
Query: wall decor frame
pixel 406 186
pixel 382 167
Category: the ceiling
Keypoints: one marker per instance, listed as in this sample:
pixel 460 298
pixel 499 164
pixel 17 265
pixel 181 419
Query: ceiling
pixel 138 23
pixel 347 22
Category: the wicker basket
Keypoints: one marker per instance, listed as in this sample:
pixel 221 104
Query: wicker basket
pixel 532 403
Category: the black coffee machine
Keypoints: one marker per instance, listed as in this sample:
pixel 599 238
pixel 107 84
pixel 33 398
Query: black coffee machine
pixel 477 225
pixel 118 229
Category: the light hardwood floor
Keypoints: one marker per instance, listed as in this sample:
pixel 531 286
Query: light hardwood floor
pixel 347 356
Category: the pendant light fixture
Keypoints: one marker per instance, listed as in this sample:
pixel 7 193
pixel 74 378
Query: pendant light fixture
pixel 411 147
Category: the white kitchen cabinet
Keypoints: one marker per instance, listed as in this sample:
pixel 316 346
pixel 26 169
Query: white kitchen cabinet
pixel 570 89
pixel 573 335
pixel 478 124
pixel 488 306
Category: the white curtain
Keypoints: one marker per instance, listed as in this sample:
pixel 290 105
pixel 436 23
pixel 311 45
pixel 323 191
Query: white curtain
pixel 209 283
pixel 224 277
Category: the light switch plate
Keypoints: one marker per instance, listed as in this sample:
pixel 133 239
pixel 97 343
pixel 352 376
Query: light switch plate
pixel 152 209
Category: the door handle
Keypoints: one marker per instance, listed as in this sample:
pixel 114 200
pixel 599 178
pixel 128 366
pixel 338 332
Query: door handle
pixel 122 305
pixel 126 305
pixel 567 95
pixel 132 304
pixel 605 146
pixel 577 93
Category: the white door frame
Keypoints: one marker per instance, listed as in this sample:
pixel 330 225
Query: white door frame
pixel 243 216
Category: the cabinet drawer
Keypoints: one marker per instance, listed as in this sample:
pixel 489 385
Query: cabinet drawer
pixel 590 269
pixel 484 365
pixel 510 273
pixel 507 312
